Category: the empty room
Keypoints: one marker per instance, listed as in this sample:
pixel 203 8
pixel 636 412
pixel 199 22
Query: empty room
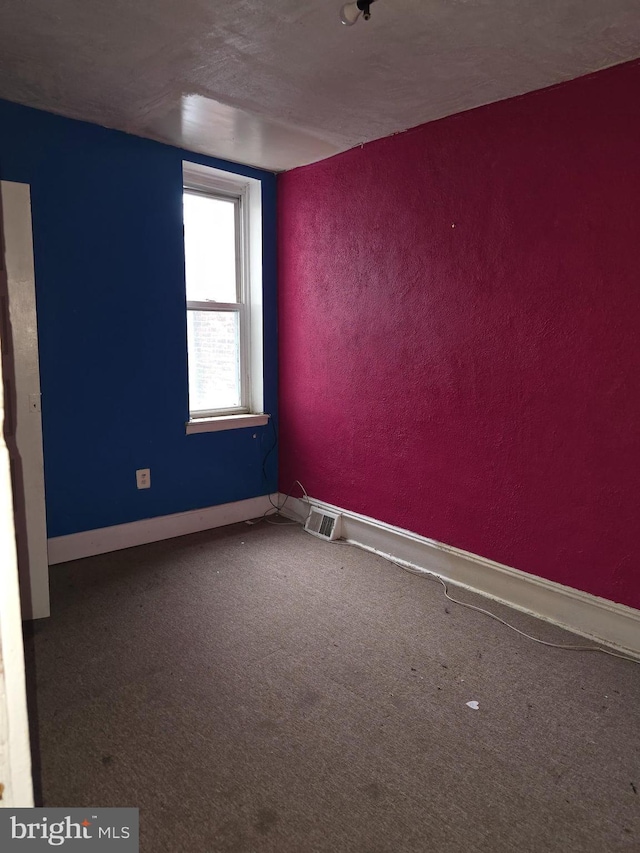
pixel 320 447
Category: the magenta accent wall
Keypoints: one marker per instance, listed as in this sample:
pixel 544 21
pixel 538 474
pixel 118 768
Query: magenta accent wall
pixel 460 331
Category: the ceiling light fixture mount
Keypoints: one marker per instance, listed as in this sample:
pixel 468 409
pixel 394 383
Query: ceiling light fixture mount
pixel 350 12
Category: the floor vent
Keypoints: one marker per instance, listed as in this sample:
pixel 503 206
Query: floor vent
pixel 324 524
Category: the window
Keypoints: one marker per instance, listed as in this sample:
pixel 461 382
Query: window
pixel 223 274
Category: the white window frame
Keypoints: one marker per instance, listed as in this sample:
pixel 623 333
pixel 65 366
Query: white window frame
pixel 247 192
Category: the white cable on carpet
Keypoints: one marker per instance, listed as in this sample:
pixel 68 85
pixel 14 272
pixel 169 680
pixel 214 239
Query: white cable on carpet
pixel 434 577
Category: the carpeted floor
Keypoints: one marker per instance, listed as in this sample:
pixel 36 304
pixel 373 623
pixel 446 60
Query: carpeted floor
pixel 255 689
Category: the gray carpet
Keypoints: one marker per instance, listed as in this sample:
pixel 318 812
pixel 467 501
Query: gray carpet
pixel 255 689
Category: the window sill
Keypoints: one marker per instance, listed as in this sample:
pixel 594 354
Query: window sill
pixel 224 422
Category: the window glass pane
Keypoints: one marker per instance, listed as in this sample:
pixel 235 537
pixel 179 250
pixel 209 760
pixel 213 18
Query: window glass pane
pixel 210 248
pixel 213 338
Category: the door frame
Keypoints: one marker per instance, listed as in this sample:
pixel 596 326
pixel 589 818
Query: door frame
pixel 16 785
pixel 23 421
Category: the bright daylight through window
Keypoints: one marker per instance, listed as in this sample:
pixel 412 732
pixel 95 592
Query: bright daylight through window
pixel 223 289
pixel 214 302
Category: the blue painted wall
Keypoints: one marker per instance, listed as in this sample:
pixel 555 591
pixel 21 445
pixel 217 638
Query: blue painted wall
pixel 107 226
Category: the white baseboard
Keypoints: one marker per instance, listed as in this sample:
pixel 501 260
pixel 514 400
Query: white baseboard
pixel 105 539
pixel 598 619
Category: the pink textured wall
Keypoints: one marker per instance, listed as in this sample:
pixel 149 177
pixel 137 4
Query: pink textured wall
pixel 460 331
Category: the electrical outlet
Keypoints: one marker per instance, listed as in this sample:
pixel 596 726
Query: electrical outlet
pixel 143 478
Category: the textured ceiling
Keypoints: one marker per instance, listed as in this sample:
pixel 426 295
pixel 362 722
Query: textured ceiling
pixel 279 83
